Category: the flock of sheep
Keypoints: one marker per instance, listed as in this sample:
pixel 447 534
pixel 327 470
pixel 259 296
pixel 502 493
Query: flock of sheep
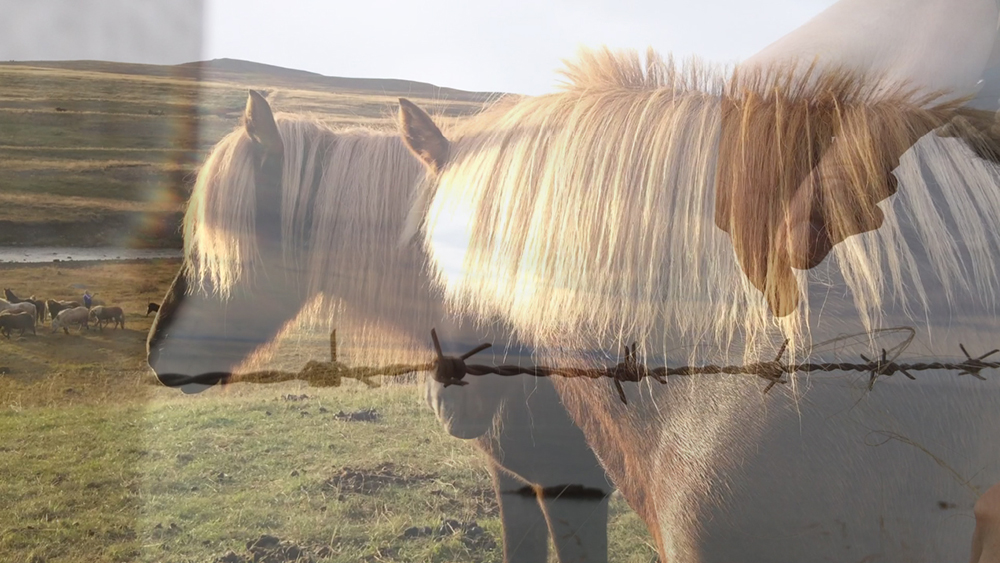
pixel 24 314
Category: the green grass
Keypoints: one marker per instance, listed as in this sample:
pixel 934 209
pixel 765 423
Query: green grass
pixel 178 478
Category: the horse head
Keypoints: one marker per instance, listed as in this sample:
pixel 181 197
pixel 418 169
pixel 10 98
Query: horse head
pixel 215 314
pixel 287 213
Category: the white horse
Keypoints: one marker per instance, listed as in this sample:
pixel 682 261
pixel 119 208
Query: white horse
pixel 22 307
pixel 66 318
pixel 834 183
pixel 287 211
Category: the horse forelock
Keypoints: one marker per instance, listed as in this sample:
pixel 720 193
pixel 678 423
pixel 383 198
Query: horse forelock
pixel 593 211
pixel 343 197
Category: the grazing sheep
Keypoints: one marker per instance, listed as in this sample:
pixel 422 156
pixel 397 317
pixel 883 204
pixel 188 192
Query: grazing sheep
pixel 16 321
pixel 67 317
pixel 152 308
pixel 56 306
pixel 103 315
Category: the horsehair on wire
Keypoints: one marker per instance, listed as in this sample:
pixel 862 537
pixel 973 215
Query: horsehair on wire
pixel 593 211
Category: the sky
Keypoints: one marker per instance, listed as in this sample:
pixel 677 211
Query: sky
pixel 511 46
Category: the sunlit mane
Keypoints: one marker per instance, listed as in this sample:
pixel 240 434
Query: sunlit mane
pixel 598 211
pixel 340 209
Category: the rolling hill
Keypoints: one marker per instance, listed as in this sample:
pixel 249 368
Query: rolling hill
pixel 97 153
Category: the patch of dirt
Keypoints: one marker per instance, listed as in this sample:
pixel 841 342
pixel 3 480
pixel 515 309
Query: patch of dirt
pixel 371 481
pixel 271 549
pixel 381 554
pixel 471 534
pixel 486 502
pixel 363 415
pixel 484 497
pixel 417 532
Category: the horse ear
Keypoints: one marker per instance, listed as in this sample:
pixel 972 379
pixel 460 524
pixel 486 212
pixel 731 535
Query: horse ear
pixel 422 135
pixel 260 125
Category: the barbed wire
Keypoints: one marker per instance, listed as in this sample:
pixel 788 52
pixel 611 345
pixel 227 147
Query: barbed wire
pixel 452 370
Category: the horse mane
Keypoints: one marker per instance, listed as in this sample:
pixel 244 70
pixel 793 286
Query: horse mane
pixel 344 197
pixel 592 212
pixel 331 184
pixel 624 70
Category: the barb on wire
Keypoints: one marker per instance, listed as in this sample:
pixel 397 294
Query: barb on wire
pixel 452 370
pixel 972 366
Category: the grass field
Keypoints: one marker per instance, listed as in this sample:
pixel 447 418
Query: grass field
pixel 98 463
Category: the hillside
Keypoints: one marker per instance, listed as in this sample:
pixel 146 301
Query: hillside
pixel 241 72
pixel 97 153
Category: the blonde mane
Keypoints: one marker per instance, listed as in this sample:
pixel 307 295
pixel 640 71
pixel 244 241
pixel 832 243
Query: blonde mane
pixel 344 180
pixel 344 198
pixel 636 201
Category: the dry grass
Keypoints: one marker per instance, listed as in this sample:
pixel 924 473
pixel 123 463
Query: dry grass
pixel 112 133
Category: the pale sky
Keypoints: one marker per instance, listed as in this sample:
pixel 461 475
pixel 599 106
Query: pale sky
pixel 512 46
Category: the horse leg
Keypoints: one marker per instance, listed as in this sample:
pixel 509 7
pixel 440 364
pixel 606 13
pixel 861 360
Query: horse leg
pixel 525 533
pixel 578 523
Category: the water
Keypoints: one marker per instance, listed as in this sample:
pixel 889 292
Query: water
pixel 37 254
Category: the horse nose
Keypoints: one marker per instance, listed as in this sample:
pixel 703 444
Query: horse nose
pixel 172 368
pixel 188 383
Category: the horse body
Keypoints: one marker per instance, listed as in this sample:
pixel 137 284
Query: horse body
pixel 79 316
pixel 55 306
pixel 103 314
pixel 614 210
pixel 10 321
pixel 24 307
pixel 287 213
